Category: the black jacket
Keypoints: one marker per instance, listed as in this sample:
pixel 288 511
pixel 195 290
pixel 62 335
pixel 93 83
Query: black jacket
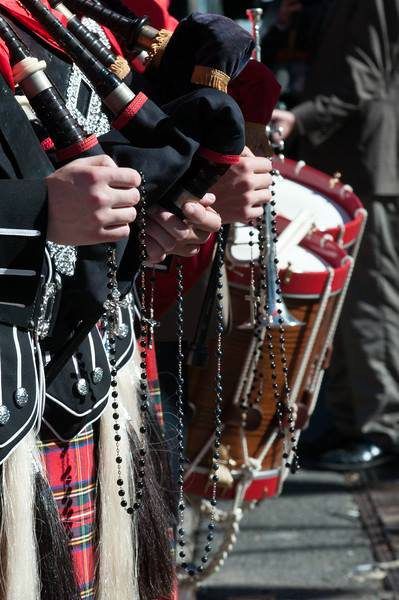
pixel 23 223
pixel 23 228
pixel 23 213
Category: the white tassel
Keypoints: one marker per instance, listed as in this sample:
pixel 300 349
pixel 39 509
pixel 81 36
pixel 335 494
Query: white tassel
pixel 117 570
pixel 20 573
pixel 128 385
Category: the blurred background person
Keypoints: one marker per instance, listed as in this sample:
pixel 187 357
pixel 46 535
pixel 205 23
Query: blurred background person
pixel 236 9
pixel 181 8
pixel 349 122
pixel 290 43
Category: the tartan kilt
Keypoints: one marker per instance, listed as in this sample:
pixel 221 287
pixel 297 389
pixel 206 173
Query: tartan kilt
pixel 71 470
pixel 153 384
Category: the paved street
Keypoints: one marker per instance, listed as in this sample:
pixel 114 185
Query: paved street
pixel 307 544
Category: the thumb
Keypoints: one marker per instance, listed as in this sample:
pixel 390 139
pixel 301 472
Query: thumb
pixel 247 152
pixel 208 199
pixel 277 114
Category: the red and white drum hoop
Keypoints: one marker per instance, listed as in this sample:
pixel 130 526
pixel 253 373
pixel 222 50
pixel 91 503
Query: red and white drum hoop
pixel 337 210
pixel 299 279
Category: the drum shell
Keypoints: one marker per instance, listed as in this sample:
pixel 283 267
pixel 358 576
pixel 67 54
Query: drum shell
pixel 305 295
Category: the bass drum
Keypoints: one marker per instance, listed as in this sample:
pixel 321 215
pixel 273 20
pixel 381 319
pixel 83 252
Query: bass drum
pixel 334 207
pixel 314 284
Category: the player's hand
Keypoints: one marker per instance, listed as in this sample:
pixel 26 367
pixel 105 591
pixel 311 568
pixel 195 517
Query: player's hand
pixel 288 9
pixel 285 121
pixel 244 189
pixel 167 234
pixel 91 201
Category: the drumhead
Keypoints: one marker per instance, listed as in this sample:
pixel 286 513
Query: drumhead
pixel 292 198
pixel 299 259
pixel 240 250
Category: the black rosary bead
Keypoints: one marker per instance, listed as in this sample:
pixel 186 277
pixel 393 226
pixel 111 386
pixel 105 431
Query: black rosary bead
pixel 218 398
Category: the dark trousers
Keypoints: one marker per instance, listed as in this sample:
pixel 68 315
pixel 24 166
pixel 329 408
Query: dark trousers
pixel 363 391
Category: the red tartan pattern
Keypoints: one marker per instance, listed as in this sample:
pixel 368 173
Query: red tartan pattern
pixel 71 471
pixel 153 383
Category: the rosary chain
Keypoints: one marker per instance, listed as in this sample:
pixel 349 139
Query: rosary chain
pixel 191 569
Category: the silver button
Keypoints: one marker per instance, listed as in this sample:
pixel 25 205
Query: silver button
pixel 123 331
pixel 115 294
pixel 82 387
pixel 97 374
pixel 21 397
pixel 4 415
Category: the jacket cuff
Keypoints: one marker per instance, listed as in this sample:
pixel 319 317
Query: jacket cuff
pixel 23 230
pixel 306 117
pixel 319 119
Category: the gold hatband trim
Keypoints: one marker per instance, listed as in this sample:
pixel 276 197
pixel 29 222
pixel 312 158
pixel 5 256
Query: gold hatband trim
pixel 120 67
pixel 210 77
pixel 157 47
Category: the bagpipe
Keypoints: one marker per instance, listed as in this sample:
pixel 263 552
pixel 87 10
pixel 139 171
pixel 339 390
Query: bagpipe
pixel 204 50
pixel 144 125
pixel 157 137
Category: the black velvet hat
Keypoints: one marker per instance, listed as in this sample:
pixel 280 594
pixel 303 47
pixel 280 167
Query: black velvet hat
pixel 206 50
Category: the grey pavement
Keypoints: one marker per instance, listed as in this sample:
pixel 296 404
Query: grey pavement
pixel 306 544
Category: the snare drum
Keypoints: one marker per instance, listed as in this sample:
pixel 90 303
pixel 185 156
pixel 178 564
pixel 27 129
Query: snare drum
pixel 314 283
pixel 336 209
